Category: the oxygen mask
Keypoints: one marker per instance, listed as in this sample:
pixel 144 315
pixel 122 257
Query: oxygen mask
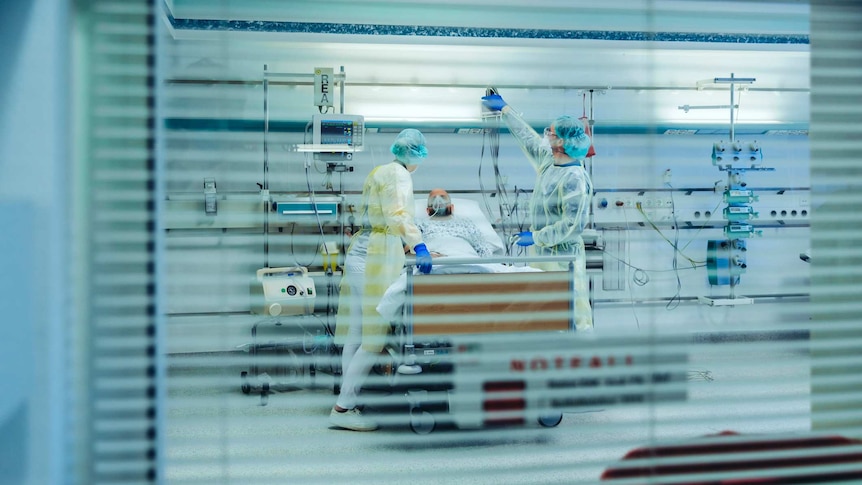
pixel 440 206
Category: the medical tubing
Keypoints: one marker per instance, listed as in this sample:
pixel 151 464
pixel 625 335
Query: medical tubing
pixel 674 302
pixel 503 200
pixel 492 135
pixel 314 204
pixel 704 225
pixel 617 258
pixel 503 195
pixel 292 249
pixel 673 244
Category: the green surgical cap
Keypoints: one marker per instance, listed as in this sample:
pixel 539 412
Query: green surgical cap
pixel 409 147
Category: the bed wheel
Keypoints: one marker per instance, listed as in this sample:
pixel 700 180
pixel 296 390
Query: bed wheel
pixel 550 420
pixel 245 386
pixel 421 422
pixel 264 394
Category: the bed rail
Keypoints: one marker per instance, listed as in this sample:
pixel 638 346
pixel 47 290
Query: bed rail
pixel 594 260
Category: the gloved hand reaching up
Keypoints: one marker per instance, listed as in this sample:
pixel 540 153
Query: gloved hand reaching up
pixel 525 239
pixel 423 258
pixel 493 102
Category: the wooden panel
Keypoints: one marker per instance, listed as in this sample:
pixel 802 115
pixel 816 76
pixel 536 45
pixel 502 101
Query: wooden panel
pixel 490 327
pixel 496 283
pixel 492 303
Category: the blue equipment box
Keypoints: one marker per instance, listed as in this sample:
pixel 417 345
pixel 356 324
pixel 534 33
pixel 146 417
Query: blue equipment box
pixel 305 209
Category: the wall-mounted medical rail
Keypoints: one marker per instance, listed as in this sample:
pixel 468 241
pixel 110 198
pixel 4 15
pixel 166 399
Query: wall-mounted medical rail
pixel 597 89
pixel 267 76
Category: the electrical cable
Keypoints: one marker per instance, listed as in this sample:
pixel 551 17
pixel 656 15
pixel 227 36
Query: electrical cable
pixel 292 249
pixel 481 181
pixel 640 276
pixel 676 231
pixel 636 279
pixel 313 201
pixel 646 271
pixel 514 211
pixel 314 209
pixel 676 299
pixel 704 225
pixel 314 343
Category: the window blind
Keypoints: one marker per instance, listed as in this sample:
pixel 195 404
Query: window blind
pixel 835 71
pixel 115 376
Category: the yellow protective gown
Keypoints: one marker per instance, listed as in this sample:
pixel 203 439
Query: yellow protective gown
pixel 388 195
pixel 558 211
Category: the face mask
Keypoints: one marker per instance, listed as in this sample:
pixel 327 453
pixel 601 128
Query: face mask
pixel 441 212
pixel 439 206
pixel 546 143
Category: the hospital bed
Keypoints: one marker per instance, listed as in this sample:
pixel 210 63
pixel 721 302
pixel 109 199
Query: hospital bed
pixel 475 289
pixel 492 342
pixel 489 349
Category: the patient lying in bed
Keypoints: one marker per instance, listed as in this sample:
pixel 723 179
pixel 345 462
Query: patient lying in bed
pixel 449 234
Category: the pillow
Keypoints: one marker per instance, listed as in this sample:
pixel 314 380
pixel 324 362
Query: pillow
pixel 471 210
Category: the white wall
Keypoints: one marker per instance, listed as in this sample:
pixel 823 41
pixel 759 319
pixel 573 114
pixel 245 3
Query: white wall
pixel 33 214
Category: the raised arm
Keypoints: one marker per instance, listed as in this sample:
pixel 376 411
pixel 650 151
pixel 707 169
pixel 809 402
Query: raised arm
pixel 527 138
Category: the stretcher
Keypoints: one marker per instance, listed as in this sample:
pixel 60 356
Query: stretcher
pixel 502 349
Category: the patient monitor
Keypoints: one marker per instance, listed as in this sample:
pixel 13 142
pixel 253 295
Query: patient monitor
pixel 344 132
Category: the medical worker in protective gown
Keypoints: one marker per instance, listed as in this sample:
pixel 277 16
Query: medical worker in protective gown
pixel 374 261
pixel 561 197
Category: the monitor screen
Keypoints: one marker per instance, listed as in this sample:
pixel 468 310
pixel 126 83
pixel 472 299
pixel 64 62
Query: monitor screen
pixel 336 132
pixel 338 129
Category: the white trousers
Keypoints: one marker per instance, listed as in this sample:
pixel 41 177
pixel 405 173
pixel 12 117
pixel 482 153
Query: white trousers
pixel 355 362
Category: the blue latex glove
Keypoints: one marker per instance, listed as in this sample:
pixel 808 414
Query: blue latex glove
pixel 493 102
pixel 423 258
pixel 525 239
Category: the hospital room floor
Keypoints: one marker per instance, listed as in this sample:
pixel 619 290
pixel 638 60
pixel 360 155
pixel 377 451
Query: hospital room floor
pixel 217 434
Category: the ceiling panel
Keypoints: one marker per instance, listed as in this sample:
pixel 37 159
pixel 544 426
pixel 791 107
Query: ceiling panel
pixel 393 74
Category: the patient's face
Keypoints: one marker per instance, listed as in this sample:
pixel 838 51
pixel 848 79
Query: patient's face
pixel 439 205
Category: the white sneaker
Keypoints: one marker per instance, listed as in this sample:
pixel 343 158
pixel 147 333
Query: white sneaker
pixel 352 419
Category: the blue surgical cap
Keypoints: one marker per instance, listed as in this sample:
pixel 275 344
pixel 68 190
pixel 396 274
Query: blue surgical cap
pixel 409 147
pixel 576 142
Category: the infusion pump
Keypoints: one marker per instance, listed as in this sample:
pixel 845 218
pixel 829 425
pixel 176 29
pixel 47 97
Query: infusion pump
pixel 282 291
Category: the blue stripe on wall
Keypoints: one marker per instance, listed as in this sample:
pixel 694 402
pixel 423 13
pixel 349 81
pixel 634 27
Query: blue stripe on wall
pixel 477 32
pixel 283 126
